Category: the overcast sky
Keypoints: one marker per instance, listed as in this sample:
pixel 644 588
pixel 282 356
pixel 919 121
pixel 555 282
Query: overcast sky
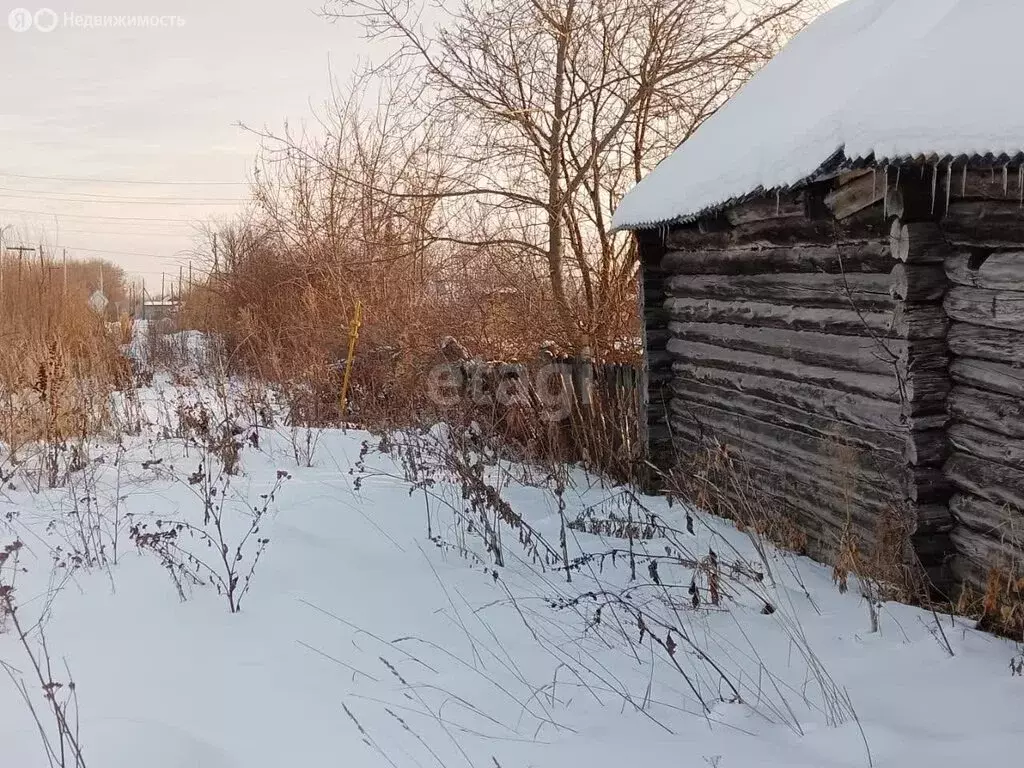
pixel 158 104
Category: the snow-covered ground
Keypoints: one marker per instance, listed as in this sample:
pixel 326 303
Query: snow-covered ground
pixel 364 643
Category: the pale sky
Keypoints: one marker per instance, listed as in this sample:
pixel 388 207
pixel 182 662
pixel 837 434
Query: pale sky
pixel 85 109
pixel 150 104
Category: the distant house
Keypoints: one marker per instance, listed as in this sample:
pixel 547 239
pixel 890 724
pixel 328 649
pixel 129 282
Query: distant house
pixel 833 278
pixel 163 313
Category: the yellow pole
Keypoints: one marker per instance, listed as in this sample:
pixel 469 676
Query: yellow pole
pixel 353 337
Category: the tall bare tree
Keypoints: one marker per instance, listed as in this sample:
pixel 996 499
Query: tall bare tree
pixel 555 108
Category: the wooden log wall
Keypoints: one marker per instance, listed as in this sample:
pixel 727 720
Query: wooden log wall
pixel 807 334
pixel 657 370
pixel 984 222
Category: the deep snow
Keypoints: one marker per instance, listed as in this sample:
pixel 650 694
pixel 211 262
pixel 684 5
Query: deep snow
pixel 889 78
pixel 362 643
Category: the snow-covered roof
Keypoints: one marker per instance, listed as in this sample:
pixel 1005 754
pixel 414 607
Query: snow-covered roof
pixel 888 79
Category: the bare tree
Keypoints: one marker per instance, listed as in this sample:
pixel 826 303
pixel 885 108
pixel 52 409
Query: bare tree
pixel 553 108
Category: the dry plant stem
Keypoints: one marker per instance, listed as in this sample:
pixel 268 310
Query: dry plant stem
pixel 67 753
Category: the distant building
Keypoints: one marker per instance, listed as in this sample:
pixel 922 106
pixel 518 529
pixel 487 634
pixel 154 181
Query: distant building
pixel 162 312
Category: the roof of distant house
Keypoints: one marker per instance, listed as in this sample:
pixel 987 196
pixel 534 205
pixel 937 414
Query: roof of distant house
pixel 879 80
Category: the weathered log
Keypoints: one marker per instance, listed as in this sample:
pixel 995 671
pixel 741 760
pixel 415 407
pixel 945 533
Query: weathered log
pixel 856 191
pixel 869 224
pixel 922 392
pixel 915 282
pixel 993 223
pixel 907 321
pixel 1001 271
pixel 913 448
pixel 885 387
pixel 995 344
pixel 926 447
pixel 767 208
pixel 985 444
pixel 872 256
pixel 860 410
pixel 834 487
pixel 760 487
pixel 998 521
pixel 866 291
pixel 861 472
pixel 695 391
pixel 998 413
pixel 988 480
pixel 656 338
pixel 759 493
pixel 987 375
pixel 918 243
pixel 853 353
pixel 978 555
pixel 993 309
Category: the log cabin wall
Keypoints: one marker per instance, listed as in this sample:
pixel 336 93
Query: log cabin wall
pixel 810 340
pixel 657 372
pixel 984 224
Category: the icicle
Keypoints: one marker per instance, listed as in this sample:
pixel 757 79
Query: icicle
pixel 778 201
pixel 963 183
pixel 874 180
pixel 885 199
pixel 935 183
pixel 1020 183
pixel 949 183
pixel 1006 180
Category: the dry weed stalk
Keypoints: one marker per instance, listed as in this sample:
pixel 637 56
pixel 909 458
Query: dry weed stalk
pixel 63 750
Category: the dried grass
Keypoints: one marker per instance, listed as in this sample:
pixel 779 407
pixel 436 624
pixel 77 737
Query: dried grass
pixel 59 362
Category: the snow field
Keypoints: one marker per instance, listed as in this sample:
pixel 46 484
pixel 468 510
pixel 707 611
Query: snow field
pixel 364 643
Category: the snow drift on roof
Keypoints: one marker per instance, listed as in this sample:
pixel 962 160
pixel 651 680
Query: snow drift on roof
pixel 888 78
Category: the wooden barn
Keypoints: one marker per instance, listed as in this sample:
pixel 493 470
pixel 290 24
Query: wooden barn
pixel 833 285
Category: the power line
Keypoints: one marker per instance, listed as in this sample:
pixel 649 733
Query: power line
pixel 121 233
pixel 84 216
pixel 88 197
pixel 176 259
pixel 89 180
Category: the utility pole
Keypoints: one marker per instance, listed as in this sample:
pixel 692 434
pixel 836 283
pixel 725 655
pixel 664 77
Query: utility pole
pixel 163 283
pixel 22 250
pixel 65 273
pixel 215 253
